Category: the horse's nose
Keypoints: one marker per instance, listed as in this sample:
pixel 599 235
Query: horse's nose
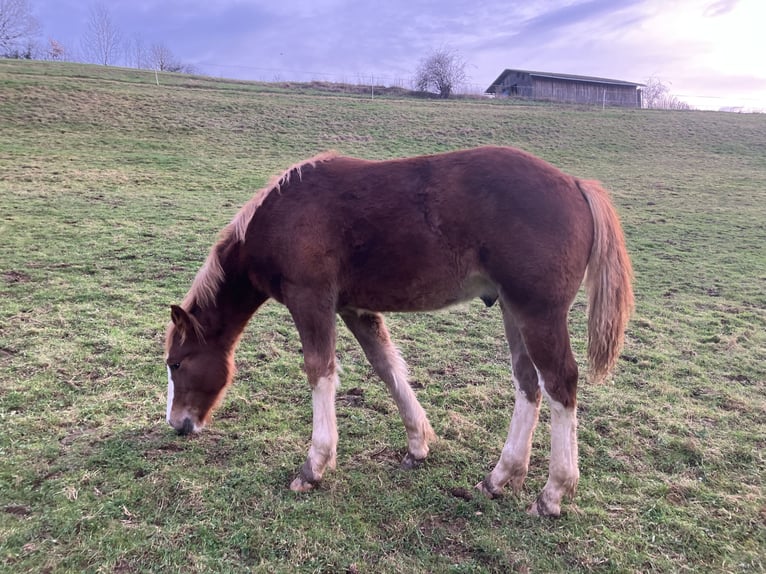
pixel 187 427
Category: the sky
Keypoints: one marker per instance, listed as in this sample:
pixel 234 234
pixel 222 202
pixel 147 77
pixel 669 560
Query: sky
pixel 710 53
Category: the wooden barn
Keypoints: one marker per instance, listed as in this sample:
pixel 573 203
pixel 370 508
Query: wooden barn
pixel 566 88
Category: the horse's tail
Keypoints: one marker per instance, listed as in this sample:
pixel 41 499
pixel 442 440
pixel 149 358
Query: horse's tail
pixel 607 282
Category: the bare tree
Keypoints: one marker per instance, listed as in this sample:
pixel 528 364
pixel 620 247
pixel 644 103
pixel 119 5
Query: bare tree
pixel 656 95
pixel 162 59
pixel 135 53
pixel 17 26
pixel 102 42
pixel 441 72
pixel 56 50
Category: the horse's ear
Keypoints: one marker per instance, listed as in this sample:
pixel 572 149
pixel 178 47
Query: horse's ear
pixel 181 320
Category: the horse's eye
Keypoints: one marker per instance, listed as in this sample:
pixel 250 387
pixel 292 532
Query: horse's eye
pixel 174 366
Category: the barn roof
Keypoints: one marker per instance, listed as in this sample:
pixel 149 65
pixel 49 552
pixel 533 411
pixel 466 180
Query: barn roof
pixel 556 76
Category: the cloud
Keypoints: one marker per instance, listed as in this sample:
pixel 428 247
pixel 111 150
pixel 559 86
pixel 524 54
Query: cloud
pixel 578 13
pixel 686 42
pixel 720 7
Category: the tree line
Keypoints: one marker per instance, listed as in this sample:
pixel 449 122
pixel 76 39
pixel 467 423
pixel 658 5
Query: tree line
pixel 441 72
pixel 103 42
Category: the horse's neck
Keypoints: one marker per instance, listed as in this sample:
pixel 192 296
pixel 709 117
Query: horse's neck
pixel 230 315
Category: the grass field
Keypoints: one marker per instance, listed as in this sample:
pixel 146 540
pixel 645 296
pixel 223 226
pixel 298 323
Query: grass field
pixel 112 189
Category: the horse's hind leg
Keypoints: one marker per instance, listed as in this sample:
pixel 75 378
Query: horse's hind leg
pixel 547 341
pixel 370 330
pixel 514 460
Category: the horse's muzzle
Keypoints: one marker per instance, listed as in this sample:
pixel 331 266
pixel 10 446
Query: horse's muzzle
pixel 187 428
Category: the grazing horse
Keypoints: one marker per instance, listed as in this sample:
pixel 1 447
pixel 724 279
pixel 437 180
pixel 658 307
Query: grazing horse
pixel 338 235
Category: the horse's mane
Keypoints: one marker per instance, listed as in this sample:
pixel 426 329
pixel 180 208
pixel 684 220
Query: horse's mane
pixel 210 276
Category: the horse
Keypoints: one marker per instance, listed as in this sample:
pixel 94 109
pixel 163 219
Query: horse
pixel 335 235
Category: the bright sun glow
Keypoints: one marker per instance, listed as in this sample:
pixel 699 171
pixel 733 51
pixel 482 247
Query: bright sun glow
pixel 725 51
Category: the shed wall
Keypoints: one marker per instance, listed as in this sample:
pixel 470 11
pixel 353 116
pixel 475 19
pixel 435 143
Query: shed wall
pixel 584 92
pixel 520 84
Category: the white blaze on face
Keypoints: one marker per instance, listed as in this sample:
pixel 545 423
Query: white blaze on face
pixel 171 389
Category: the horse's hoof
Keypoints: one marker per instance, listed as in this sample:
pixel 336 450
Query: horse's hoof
pixel 410 462
pixel 540 508
pixel 486 491
pixel 300 484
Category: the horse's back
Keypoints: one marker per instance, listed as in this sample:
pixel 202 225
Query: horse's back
pixel 425 232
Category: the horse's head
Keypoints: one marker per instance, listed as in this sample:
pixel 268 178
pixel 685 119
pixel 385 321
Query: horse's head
pixel 199 371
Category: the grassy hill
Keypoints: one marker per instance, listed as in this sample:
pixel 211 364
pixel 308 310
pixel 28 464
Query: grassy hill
pixel 113 188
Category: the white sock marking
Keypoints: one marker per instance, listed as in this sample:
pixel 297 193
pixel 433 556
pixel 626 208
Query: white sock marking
pixel 324 436
pixel 514 460
pixel 419 430
pixel 563 440
pixel 523 423
pixel 563 473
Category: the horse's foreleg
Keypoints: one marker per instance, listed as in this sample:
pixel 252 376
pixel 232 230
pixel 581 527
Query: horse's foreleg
pixel 371 332
pixel 317 331
pixel 324 435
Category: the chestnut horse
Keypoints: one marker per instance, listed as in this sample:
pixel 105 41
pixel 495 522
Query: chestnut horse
pixel 338 235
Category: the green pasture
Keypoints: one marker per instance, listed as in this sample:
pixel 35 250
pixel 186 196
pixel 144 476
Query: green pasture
pixel 112 190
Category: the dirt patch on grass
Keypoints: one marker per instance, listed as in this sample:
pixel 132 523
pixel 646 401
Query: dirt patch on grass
pixel 352 398
pixel 446 536
pixel 77 434
pixel 17 510
pixel 387 454
pixel 460 492
pixel 15 277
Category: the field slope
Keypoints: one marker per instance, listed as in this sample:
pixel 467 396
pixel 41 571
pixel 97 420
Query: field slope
pixel 113 188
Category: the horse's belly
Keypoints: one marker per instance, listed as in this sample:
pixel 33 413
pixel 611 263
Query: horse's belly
pixel 419 293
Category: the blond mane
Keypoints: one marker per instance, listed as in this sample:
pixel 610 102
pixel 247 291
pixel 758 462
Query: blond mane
pixel 210 276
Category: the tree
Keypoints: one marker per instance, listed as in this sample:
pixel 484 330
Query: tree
pixel 656 95
pixel 56 50
pixel 17 26
pixel 135 53
pixel 441 72
pixel 102 42
pixel 162 59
